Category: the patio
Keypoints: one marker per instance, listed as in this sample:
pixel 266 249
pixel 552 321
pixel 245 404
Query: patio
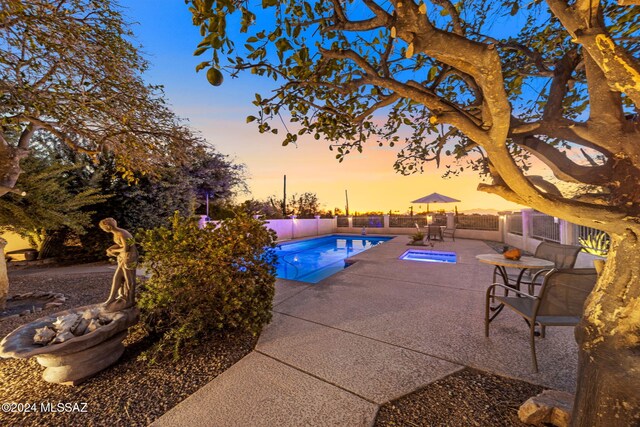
pixel 371 333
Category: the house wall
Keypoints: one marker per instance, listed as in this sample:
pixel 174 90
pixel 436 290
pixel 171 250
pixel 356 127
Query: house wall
pixel 14 242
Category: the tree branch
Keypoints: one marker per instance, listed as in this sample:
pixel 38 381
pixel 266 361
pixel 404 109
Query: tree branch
pixel 545 185
pixel 559 85
pixel 620 68
pixel 380 19
pixel 562 167
pixel 605 105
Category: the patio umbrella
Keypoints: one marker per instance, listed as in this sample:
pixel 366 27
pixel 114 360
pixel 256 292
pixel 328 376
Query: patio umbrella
pixel 435 198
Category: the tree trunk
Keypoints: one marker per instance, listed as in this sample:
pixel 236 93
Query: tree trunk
pixel 10 167
pixel 608 391
pixel 4 279
pixel 52 244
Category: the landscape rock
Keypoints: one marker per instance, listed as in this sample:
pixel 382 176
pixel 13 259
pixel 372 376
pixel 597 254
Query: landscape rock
pixel 44 335
pixel 65 323
pixel 62 337
pixel 52 304
pixel 551 407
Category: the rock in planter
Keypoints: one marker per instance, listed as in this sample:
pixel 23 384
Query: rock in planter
pixel 550 407
pixel 71 359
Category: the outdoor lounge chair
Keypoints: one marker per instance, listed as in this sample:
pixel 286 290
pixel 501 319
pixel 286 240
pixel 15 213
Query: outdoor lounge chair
pixel 563 256
pixel 560 302
pixel 449 232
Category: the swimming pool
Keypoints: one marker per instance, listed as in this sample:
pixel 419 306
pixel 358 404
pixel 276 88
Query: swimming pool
pixel 429 256
pixel 315 259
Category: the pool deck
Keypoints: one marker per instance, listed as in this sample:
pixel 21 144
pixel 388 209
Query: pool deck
pixel 382 328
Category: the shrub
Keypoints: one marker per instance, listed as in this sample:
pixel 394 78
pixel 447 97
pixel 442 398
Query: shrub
pixel 207 281
pixel 417 237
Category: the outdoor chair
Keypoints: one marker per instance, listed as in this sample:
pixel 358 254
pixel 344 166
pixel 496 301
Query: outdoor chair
pixel 449 232
pixel 434 232
pixel 560 302
pixel 563 256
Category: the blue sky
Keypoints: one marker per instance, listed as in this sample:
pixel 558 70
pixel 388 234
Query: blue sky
pixel 164 30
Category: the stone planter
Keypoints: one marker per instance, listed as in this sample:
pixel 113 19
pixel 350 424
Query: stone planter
pixel 75 360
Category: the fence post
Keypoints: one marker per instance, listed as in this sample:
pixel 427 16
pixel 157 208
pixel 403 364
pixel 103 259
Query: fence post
pixel 385 223
pixel 317 217
pixel 567 233
pixel 350 219
pixel 293 226
pixel 502 228
pixel 334 225
pixel 526 227
pixel 451 220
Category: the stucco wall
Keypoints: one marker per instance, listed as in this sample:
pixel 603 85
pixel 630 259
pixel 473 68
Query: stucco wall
pixel 14 242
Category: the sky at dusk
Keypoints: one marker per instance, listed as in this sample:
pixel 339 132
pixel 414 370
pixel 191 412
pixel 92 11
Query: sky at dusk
pixel 164 30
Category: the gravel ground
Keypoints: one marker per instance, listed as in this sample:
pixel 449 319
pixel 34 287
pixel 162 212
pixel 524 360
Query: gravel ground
pixel 465 398
pixel 130 393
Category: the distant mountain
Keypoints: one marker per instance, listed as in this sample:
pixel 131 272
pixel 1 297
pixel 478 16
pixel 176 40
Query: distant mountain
pixel 480 211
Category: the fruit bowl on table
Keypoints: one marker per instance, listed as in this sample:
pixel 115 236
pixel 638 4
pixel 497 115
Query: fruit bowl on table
pixel 512 254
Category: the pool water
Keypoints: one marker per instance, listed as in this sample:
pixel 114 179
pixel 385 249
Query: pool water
pixel 315 259
pixel 429 256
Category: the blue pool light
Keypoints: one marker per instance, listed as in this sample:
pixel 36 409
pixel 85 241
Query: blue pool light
pixel 429 256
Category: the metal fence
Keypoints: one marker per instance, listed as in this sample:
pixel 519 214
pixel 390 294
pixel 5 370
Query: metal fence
pixel 439 219
pixel 514 224
pixel 593 241
pixel 544 227
pixel 343 221
pixel 374 221
pixel 407 221
pixel 478 222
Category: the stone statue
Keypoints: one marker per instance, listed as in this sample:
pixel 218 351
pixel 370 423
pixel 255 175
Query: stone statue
pixel 122 295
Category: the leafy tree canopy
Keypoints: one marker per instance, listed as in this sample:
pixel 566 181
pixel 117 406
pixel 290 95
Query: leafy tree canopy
pixel 69 69
pixel 53 202
pixel 305 205
pixel 491 82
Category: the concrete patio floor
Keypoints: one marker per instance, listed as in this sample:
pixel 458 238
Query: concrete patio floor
pixel 371 333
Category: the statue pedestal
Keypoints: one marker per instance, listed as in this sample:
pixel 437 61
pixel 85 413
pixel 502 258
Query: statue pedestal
pixel 77 359
pixel 75 368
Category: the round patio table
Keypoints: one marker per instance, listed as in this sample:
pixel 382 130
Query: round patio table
pixel 524 263
pixel 439 230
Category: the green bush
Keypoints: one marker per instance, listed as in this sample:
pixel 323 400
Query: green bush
pixel 417 237
pixel 207 281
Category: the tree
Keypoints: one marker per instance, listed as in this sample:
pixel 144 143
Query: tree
pixel 305 205
pixel 68 69
pixel 52 205
pixel 149 201
pixel 268 209
pixel 215 176
pixel 559 87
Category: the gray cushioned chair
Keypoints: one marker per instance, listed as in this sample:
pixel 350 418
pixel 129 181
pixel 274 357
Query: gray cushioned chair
pixel 563 256
pixel 560 302
pixel 449 232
